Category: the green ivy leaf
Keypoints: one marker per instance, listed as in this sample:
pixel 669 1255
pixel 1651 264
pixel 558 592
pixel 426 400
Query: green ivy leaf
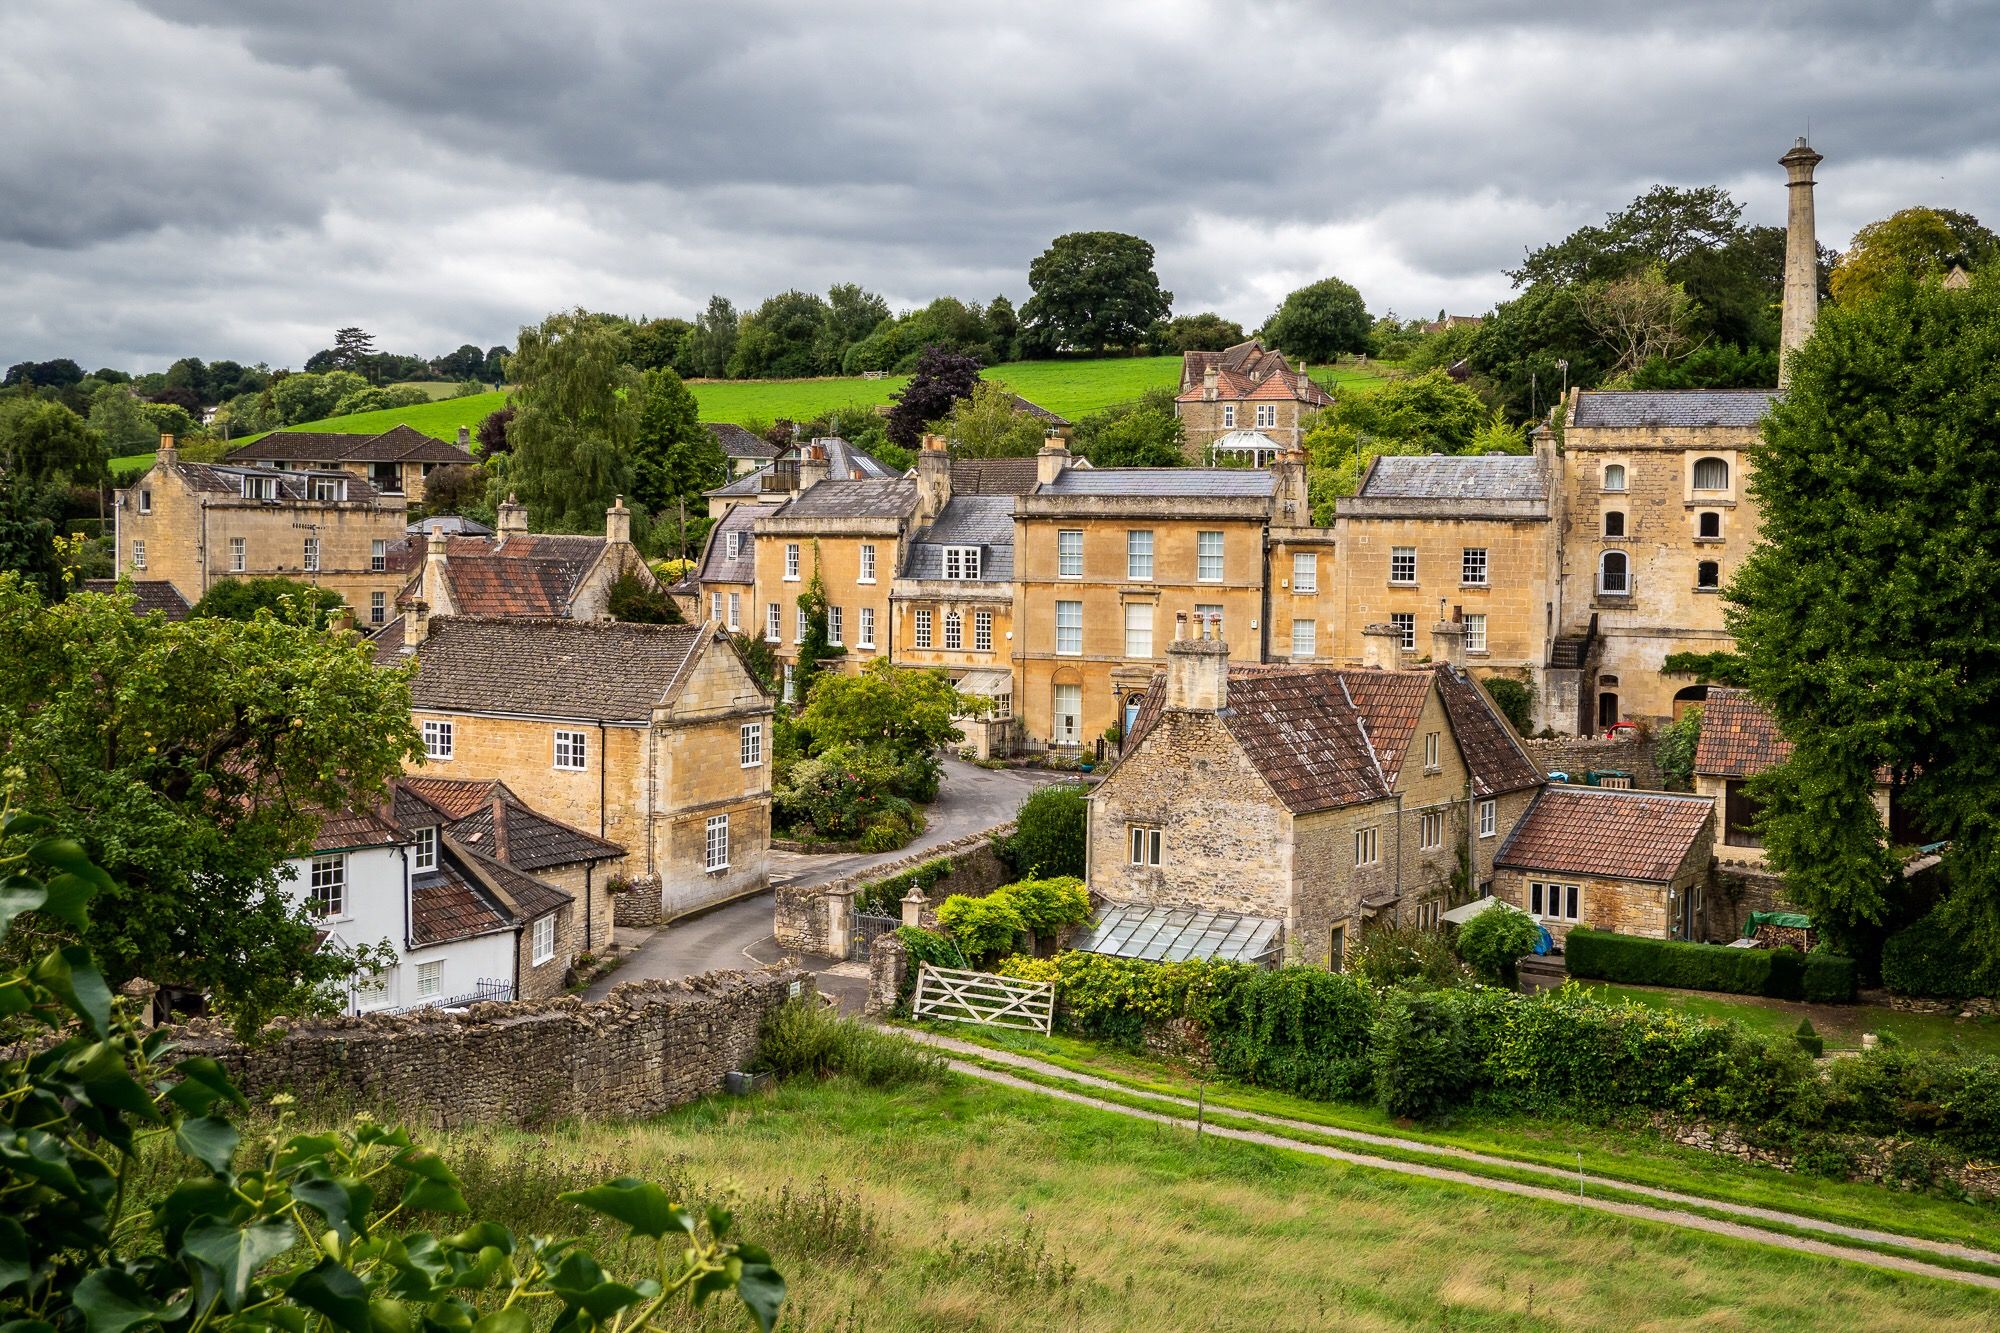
pixel 430 1196
pixel 68 856
pixel 69 899
pixel 18 894
pixel 111 1302
pixel 191 1202
pixel 236 1253
pixel 330 1290
pixel 344 1203
pixel 719 1221
pixel 479 1236
pixel 427 1164
pixel 28 1326
pixel 639 1204
pixel 202 1084
pixel 210 1140
pixel 72 976
pixel 390 1316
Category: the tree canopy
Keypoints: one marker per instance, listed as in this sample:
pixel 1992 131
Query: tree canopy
pixel 987 425
pixel 1146 432
pixel 942 378
pixel 1094 289
pixel 1429 413
pixel 191 759
pixel 242 599
pixel 1867 619
pixel 1912 243
pixel 44 443
pixel 675 457
pixel 908 711
pixel 1320 321
pixel 574 422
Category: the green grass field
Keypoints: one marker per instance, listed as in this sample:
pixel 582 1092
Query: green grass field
pixel 971 1207
pixel 1840 1024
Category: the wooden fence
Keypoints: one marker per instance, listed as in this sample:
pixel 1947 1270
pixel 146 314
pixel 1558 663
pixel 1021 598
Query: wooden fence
pixel 960 996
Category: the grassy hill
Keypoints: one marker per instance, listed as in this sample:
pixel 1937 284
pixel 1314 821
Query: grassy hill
pixel 1069 388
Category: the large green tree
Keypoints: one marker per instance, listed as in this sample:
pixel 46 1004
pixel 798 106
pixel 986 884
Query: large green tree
pixel 713 341
pixel 1094 289
pixel 1320 321
pixel 674 457
pixel 851 315
pixel 907 711
pixel 1429 413
pixel 1913 243
pixel 987 425
pixel 44 443
pixel 574 423
pixel 779 340
pixel 1143 433
pixel 192 759
pixel 1868 618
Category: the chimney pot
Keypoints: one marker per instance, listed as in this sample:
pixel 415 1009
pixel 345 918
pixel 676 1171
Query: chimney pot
pixel 512 516
pixel 1197 671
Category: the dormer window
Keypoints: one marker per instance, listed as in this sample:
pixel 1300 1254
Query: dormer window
pixel 961 562
pixel 426 854
pixel 260 488
pixel 329 488
pixel 732 544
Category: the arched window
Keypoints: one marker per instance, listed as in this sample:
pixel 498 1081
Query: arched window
pixel 1711 474
pixel 1708 574
pixel 1614 476
pixel 1708 524
pixel 1614 523
pixel 1614 578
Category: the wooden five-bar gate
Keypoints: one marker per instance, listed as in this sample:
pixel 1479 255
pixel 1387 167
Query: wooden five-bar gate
pixel 960 996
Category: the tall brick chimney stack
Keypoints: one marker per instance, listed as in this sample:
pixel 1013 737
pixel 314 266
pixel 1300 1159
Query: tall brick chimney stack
pixel 1801 256
pixel 618 524
pixel 1197 668
pixel 1210 383
pixel 813 466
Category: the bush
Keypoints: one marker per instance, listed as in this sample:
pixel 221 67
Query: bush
pixel 1828 979
pixel 1048 837
pixel 983 927
pixel 1933 958
pixel 1419 1056
pixel 1495 940
pixel 1809 1039
pixel 1675 752
pixel 1405 956
pixel 884 897
pixel 1515 701
pixel 1297 1029
pixel 1778 973
pixel 1047 907
pixel 805 1037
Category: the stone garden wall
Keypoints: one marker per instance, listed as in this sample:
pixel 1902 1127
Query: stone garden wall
pixel 811 919
pixel 1578 755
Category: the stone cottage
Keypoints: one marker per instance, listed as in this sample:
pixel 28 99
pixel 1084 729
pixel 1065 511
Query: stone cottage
pixel 1245 403
pixel 1635 862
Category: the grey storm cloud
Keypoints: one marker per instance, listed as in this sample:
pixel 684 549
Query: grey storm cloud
pixel 220 178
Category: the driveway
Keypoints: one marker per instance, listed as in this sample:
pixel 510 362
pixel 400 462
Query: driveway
pixel 738 934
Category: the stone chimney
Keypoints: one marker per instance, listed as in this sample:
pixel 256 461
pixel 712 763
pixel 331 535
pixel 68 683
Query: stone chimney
pixel 813 466
pixel 1197 669
pixel 933 479
pixel 1379 646
pixel 168 454
pixel 1448 643
pixel 1801 257
pixel 1290 506
pixel 416 622
pixel 1051 461
pixel 618 523
pixel 1209 383
pixel 465 438
pixel 512 516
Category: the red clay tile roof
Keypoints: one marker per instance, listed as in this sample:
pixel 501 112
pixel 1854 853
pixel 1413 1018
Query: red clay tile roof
pixel 348 830
pixel 533 841
pixel 1390 702
pixel 1496 759
pixel 1247 371
pixel 1614 834
pixel 1739 737
pixel 518 574
pixel 445 907
pixel 148 595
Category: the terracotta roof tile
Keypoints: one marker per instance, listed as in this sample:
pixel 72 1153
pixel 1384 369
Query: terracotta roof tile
pixel 148 595
pixel 1390 702
pixel 1739 737
pixel 1496 759
pixel 1600 831
pixel 444 906
pixel 518 574
pixel 346 830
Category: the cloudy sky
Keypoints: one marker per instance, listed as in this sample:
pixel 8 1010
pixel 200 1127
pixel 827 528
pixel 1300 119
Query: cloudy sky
pixel 233 178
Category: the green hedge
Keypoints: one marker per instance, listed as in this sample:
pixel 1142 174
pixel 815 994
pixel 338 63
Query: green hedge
pixel 1781 974
pixel 884 897
pixel 1931 959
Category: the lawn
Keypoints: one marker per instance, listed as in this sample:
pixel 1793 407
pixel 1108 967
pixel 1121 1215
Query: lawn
pixel 1840 1024
pixel 975 1207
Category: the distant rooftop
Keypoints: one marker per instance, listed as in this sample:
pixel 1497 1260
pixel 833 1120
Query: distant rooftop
pixel 1442 477
pixel 1216 482
pixel 1673 407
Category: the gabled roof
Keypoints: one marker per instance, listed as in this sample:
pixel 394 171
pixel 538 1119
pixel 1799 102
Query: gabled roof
pixel 1026 408
pixel 218 479
pixel 1390 703
pixel 352 830
pixel 843 461
pixel 591 670
pixel 1640 835
pixel 1672 407
pixel 386 644
pixel 1498 763
pixel 851 499
pixel 148 595
pixel 1217 482
pixel 1244 372
pixel 403 444
pixel 993 476
pixel 1739 737
pixel 490 819
pixel 717 565
pixel 517 574
pixel 984 521
pixel 737 442
pixel 1443 477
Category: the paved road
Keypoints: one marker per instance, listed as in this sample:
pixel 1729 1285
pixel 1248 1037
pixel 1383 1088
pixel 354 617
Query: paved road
pixel 739 935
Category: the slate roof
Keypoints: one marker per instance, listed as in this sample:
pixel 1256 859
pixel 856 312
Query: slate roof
pixel 852 499
pixel 1640 835
pixel 993 476
pixel 717 565
pixel 586 669
pixel 452 525
pixel 843 461
pixel 218 479
pixel 1026 408
pixel 985 521
pixel 148 595
pixel 445 906
pixel 1673 407
pixel 1440 477
pixel 387 644
pixel 1498 763
pixel 402 444
pixel 531 841
pixel 737 442
pixel 531 896
pixel 1739 737
pixel 518 574
pixel 1217 482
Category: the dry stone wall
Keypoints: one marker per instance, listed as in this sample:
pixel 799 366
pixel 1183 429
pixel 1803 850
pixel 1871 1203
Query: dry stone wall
pixel 803 920
pixel 648 1046
pixel 1578 755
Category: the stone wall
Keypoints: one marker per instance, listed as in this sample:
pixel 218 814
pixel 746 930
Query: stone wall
pixel 1877 1161
pixel 888 964
pixel 649 1046
pixel 810 917
pixel 640 904
pixel 1577 755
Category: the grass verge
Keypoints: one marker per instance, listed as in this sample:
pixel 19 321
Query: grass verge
pixel 1840 1024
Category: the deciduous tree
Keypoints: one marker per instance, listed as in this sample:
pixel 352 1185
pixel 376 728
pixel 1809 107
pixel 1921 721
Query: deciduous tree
pixel 44 443
pixel 987 425
pixel 1321 321
pixel 1142 433
pixel 1912 243
pixel 942 378
pixel 1094 289
pixel 574 422
pixel 674 457
pixel 713 341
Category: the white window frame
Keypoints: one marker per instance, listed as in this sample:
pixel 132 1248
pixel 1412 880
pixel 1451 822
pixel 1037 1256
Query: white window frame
pixel 1430 831
pixel 378 556
pixel 1305 571
pixel 750 745
pixel 138 553
pixel 1475 632
pixel 715 607
pixel 954 631
pixel 1143 845
pixel 1003 707
pixel 1209 613
pixel 715 844
pixel 732 543
pixel 1367 847
pixel 571 750
pixel 921 627
pixel 375 990
pixel 424 856
pixel 982 631
pixel 961 562
pixel 1433 751
pixel 146 500
pixel 735 611
pixel 311 556
pixel 1624 588
pixel 1208 548
pixel 1473 567
pixel 430 979
pixel 1069 629
pixel 542 940
pixel 1267 416
pixel 1553 900
pixel 326 881
pixel 774 623
pixel 239 554
pixel 1489 818
pixel 789 687
pixel 835 626
pixel 1405 621
pixel 1403 566
pixel 1060 734
pixel 326 489
pixel 867 574
pixel 378 607
pixel 1069 553
pixel 1139 555
pixel 1229 416
pixel 437 738
pixel 791 562
pixel 866 638
pixel 1617 477
pixel 1139 631
pixel 1305 639
pixel 804 624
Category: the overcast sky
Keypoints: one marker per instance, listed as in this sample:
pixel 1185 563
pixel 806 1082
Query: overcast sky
pixel 233 179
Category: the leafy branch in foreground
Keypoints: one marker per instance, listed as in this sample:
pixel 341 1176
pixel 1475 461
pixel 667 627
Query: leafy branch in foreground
pixel 298 1232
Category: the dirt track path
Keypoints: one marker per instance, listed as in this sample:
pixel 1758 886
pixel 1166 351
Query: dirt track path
pixel 1670 1216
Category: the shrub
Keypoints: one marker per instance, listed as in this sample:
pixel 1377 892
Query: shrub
pixel 983 927
pixel 805 1037
pixel 1779 973
pixel 1675 753
pixel 1048 837
pixel 885 835
pixel 1495 940
pixel 1933 958
pixel 639 601
pixel 1515 701
pixel 922 946
pixel 1047 907
pixel 1113 999
pixel 1808 1039
pixel 884 897
pixel 1405 956
pixel 1828 979
pixel 1297 1029
pixel 1419 1056
pixel 452 487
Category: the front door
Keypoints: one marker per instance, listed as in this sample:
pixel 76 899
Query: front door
pixel 1067 722
pixel 1607 711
